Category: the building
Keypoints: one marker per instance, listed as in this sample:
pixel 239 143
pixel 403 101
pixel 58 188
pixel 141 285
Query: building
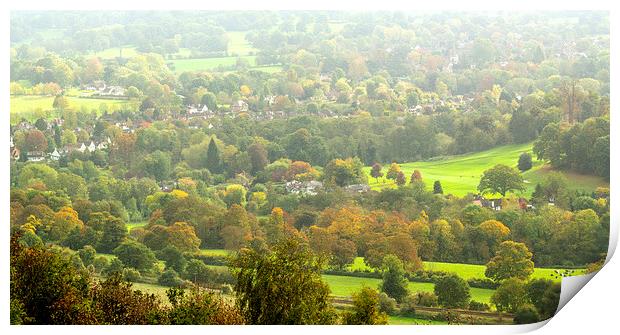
pixel 239 106
pixel 358 188
pixel 311 187
pixel 55 155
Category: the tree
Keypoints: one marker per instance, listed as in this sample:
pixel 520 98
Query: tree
pixel 393 171
pixel 510 295
pixel 394 284
pixel 526 314
pixel 536 289
pixel 281 286
pixel 210 100
pixel 213 157
pixel 452 291
pixel 375 172
pixel 235 195
pixel 345 172
pixel 135 255
pixel 60 102
pixel 512 260
pixel 437 189
pixel 173 257
pixel 400 179
pixel 200 307
pixel 416 176
pixel 501 179
pixel 258 157
pixel 35 141
pixel 113 231
pixel 366 309
pixel 525 162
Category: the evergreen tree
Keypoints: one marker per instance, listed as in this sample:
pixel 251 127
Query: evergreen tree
pixel 213 157
pixel 525 162
pixel 437 189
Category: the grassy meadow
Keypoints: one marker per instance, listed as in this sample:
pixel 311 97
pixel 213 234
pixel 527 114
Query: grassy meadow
pixel 32 107
pixel 461 174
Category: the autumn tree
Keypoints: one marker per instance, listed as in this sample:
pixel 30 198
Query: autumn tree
pixel 400 179
pixel 416 176
pixel 375 172
pixel 393 171
pixel 501 179
pixel 512 260
pixel 35 141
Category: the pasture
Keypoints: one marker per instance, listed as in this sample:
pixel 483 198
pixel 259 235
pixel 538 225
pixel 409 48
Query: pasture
pixel 344 286
pixel 204 64
pixel 461 174
pixel 32 107
pixel 466 271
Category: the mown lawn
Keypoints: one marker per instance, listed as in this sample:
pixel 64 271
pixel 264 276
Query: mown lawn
pixel 133 225
pixel 238 45
pixel 461 174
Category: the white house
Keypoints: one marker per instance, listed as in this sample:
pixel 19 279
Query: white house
pixel 55 155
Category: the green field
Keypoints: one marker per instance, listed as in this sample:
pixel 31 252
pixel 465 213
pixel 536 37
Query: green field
pixel 203 64
pixel 461 174
pixel 344 286
pixel 32 107
pixel 465 271
pixel 407 320
pixel 238 45
pixel 133 225
pixel 215 252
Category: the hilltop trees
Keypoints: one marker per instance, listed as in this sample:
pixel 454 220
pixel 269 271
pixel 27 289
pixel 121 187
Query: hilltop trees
pixel 501 179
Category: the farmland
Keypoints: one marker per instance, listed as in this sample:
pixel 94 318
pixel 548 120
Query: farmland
pixel 32 107
pixel 461 174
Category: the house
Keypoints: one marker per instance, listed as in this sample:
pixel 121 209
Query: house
pixel 358 188
pixel 82 148
pixel 305 188
pixel 36 156
pixel 91 147
pixel 239 106
pixel 495 204
pixel 55 155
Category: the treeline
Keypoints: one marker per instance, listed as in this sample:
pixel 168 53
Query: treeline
pixel 583 147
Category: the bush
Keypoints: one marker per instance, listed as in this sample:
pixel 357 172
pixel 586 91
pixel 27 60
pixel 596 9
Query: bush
pixel 452 291
pixel 426 299
pixel 116 266
pixel 131 274
pixel 227 289
pixel 482 283
pixel 170 278
pixel 526 314
pixel 449 316
pixel 87 254
pixel 386 304
pixel 478 306
pixel 407 307
pixel 101 263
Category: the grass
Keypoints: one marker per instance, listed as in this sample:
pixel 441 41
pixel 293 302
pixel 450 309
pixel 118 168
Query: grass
pixel 344 286
pixel 215 252
pixel 461 174
pixel 133 225
pixel 158 290
pixel 238 45
pixel 32 107
pixel 465 271
pixel 110 53
pixel 407 320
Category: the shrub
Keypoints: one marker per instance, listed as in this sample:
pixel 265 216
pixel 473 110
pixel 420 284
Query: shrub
pixel 452 291
pixel 526 314
pixel 449 316
pixel 101 263
pixel 427 299
pixel 478 306
pixel 407 307
pixel 170 278
pixel 131 274
pixel 386 304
